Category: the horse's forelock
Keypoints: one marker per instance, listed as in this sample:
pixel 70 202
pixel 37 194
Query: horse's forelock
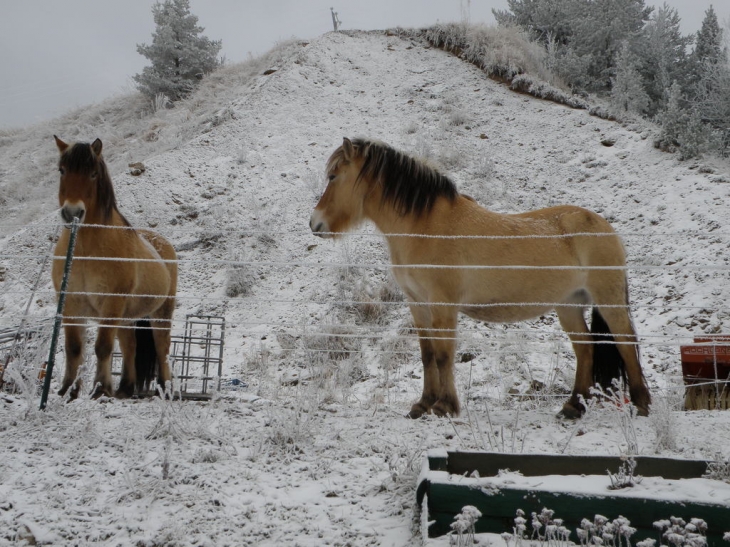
pixel 78 158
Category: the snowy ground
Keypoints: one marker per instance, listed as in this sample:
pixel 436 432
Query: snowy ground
pixel 316 451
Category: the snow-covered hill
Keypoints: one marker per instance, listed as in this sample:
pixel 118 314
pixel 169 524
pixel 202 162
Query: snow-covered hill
pixel 316 450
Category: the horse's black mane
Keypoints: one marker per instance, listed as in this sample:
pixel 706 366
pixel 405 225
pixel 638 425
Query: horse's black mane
pixel 410 185
pixel 80 158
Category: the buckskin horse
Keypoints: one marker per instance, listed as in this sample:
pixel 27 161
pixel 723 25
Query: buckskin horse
pixel 451 255
pixel 121 277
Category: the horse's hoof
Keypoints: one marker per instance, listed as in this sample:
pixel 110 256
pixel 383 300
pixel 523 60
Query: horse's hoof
pixel 641 400
pixel 125 390
pixel 417 410
pixel 445 408
pixel 73 394
pixel 100 391
pixel 571 411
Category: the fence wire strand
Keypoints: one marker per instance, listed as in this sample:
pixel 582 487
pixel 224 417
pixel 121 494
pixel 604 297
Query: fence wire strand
pixel 510 336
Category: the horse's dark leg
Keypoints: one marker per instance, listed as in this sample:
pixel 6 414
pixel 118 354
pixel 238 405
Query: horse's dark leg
pixel 573 323
pixel 431 382
pixel 74 348
pixel 622 329
pixel 103 347
pixel 444 347
pixel 128 345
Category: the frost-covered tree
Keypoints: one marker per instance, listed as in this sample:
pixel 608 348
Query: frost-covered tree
pixel 627 91
pixel 712 99
pixel 545 20
pixel 599 30
pixel 586 34
pixel 179 53
pixel 672 119
pixel 711 78
pixel 682 127
pixel 709 48
pixel 663 55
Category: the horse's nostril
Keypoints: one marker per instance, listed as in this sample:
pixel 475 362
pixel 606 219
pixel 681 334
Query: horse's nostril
pixel 69 213
pixel 315 225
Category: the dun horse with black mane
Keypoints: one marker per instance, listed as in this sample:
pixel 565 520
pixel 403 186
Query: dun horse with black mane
pixel 451 255
pixel 124 278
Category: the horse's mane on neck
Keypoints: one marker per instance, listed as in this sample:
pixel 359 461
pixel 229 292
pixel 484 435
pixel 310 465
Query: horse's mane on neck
pixel 80 158
pixel 409 184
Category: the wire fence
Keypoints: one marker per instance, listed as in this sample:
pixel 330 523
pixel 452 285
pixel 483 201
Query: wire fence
pixel 389 334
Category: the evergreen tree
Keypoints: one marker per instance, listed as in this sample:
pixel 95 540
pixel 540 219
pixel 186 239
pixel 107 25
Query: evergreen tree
pixel 682 127
pixel 663 53
pixel 599 30
pixel 585 34
pixel 179 54
pixel 627 92
pixel 709 47
pixel 711 72
pixel 545 20
pixel 672 119
pixel 712 100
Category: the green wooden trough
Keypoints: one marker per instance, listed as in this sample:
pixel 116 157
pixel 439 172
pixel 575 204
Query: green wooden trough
pixel 451 480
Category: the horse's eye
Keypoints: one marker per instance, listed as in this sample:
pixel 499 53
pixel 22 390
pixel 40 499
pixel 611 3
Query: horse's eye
pixel 332 177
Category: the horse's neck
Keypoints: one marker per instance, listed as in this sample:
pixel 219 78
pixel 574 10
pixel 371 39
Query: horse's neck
pixel 386 219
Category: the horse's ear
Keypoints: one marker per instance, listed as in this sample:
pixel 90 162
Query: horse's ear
pixel 96 147
pixel 348 149
pixel 62 146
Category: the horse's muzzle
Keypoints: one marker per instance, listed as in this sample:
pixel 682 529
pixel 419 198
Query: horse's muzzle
pixel 69 212
pixel 318 226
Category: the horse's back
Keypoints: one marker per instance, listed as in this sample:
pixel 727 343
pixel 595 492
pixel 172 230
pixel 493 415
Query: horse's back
pixel 543 228
pixel 571 219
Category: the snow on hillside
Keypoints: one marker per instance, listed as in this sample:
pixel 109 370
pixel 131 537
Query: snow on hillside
pixel 316 449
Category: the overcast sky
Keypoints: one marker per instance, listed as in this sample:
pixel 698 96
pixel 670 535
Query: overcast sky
pixel 57 55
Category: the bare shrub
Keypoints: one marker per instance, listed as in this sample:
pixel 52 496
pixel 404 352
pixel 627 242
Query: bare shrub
pixel 366 304
pixel 396 351
pixel 457 118
pixel 314 181
pixel 451 158
pixel 389 291
pixel 485 168
pixel 240 282
pixel 333 343
pixel 411 128
pixel 663 420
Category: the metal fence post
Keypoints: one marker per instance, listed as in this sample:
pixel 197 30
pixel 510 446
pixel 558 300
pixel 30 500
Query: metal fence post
pixel 59 313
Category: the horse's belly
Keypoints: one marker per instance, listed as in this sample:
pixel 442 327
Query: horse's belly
pixel 496 313
pixel 143 306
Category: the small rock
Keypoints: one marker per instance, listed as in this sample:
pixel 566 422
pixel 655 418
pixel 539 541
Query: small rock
pixel 136 168
pixel 608 141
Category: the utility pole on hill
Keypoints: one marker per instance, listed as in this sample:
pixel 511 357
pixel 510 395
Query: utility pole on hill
pixel 335 20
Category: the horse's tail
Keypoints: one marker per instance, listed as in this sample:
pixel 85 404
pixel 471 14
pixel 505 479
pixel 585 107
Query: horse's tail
pixel 607 361
pixel 145 359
